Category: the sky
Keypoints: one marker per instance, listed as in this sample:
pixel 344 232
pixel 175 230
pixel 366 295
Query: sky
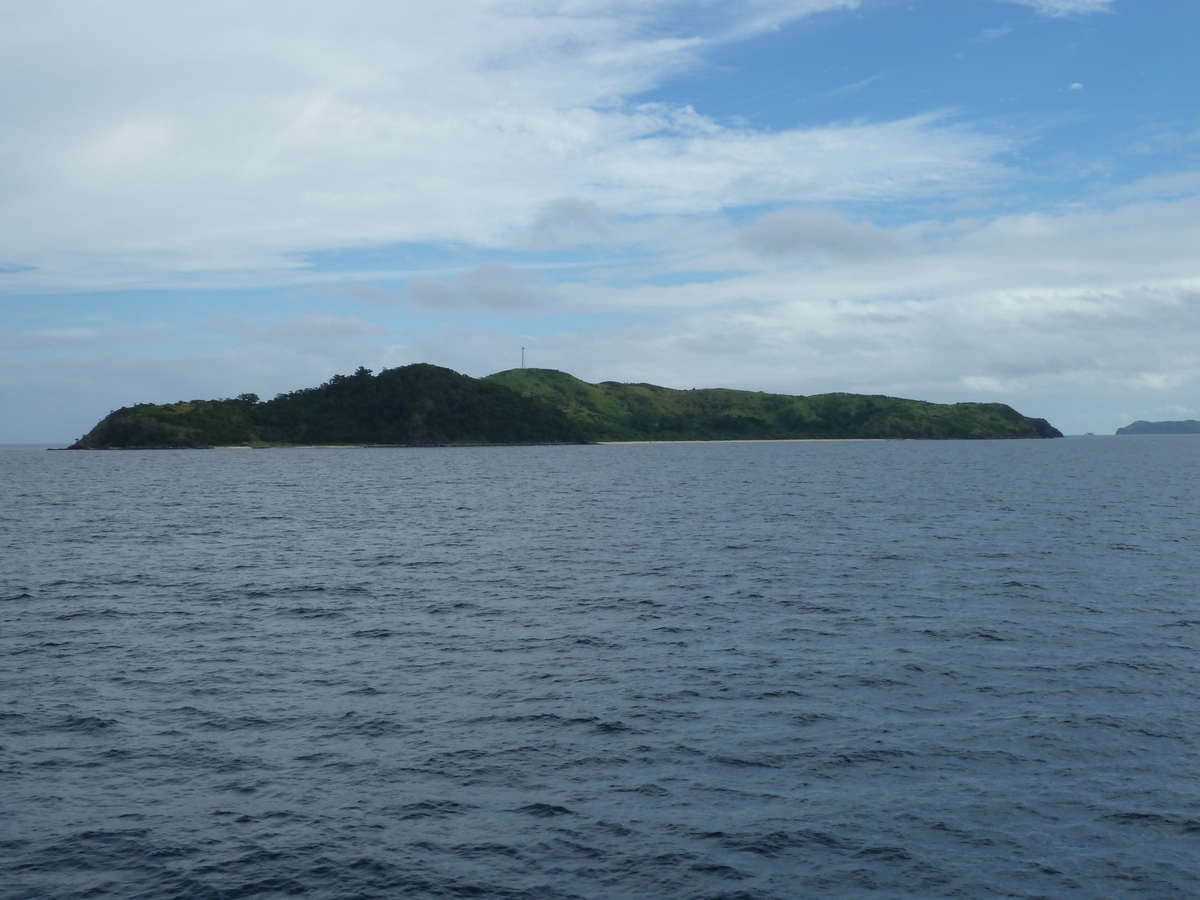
pixel 947 200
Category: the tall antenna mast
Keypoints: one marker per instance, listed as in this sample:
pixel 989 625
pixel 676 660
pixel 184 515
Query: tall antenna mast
pixel 522 357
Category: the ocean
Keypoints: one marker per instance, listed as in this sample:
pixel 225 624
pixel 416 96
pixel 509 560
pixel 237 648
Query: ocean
pixel 749 671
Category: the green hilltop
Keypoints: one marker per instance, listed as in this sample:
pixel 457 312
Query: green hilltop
pixel 1141 426
pixel 611 411
pixel 423 405
pixel 417 405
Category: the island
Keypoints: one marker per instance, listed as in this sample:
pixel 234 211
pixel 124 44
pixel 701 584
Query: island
pixel 1188 426
pixel 427 405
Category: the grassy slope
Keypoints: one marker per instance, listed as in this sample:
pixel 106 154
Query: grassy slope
pixel 613 411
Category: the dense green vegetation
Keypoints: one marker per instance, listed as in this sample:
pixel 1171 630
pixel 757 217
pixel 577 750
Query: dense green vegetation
pixel 1187 426
pixel 425 405
pixel 615 412
pixel 415 405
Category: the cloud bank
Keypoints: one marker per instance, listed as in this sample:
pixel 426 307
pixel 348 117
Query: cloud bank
pixel 151 144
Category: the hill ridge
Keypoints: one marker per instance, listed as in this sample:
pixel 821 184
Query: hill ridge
pixel 639 411
pixel 1141 426
pixel 423 405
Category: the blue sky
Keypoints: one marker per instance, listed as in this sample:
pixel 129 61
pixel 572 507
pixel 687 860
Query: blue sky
pixel 967 200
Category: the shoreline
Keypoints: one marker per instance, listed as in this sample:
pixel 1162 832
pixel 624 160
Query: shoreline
pixel 559 444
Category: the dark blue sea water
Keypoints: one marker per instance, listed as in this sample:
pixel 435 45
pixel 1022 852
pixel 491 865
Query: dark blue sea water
pixel 760 670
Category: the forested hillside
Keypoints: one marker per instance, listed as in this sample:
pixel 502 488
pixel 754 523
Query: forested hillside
pixel 414 405
pixel 615 411
pixel 428 405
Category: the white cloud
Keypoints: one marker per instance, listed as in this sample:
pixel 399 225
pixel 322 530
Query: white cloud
pixel 1067 7
pixel 317 330
pixel 569 221
pixel 79 337
pixel 151 144
pixel 817 233
pixel 1169 185
pixel 493 287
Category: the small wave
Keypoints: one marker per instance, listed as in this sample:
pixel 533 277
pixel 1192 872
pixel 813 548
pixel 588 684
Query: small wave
pixel 234 723
pixel 91 614
pixel 310 612
pixel 890 854
pixel 615 829
pixel 806 719
pixel 721 871
pixel 777 842
pixel 485 851
pixel 84 724
pixel 544 810
pixel 648 790
pixel 378 728
pixel 432 809
pixel 1155 820
pixel 741 762
pixel 983 634
pixel 861 757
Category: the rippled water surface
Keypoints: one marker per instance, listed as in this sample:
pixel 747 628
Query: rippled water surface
pixel 760 670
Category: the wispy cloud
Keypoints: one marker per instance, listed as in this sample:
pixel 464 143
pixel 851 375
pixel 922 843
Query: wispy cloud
pixel 1067 7
pixel 316 330
pixel 819 233
pixel 851 88
pixel 494 287
pixel 569 221
pixel 80 337
pixel 272 133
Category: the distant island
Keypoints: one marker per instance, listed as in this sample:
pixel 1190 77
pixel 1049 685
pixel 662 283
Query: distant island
pixel 1188 426
pixel 426 405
